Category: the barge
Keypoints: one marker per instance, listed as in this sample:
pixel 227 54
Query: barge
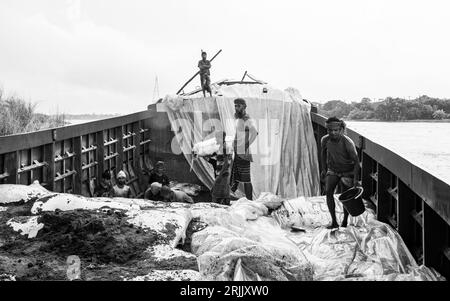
pixel 71 159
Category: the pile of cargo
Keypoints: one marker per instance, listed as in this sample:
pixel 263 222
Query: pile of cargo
pixel 53 236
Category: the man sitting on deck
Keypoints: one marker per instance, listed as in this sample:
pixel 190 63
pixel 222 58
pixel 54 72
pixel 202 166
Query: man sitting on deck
pixel 157 174
pixel 221 162
pixel 171 195
pixel 121 189
pixel 153 193
pixel 340 163
pixel 204 65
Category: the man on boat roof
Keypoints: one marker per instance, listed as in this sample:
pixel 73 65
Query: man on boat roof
pixel 204 65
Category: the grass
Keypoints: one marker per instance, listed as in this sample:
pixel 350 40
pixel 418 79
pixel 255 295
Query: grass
pixel 19 116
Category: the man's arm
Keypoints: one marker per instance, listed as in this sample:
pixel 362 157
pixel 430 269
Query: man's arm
pixel 351 148
pixel 323 155
pixel 130 193
pixel 252 132
pixel 250 128
pixel 204 65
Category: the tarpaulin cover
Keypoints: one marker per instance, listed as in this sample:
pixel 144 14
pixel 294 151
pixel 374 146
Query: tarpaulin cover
pixel 243 243
pixel 284 152
pixel 365 250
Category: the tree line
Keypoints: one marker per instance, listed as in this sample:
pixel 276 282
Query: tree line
pixel 390 109
pixel 20 116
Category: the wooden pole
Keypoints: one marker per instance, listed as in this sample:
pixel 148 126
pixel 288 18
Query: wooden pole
pixel 245 74
pixel 198 72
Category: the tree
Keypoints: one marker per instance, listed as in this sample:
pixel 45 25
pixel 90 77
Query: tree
pixel 336 108
pixel 440 114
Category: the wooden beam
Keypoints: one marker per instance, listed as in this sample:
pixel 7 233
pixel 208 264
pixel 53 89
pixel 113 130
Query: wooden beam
pixel 78 164
pixel 383 197
pixel 119 145
pixel 12 166
pixel 406 205
pixel 100 155
pixel 435 240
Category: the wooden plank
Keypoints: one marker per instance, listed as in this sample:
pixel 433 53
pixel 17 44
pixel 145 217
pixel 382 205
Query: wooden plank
pixel 366 180
pixel 406 205
pixel 137 153
pixel 60 177
pixel 435 240
pixel 120 158
pixel 25 141
pixel 383 197
pixel 78 164
pixel 87 128
pixel 31 167
pixel 100 155
pixel 11 167
pixel 49 173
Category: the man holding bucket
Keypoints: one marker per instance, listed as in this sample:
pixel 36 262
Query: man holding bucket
pixel 340 163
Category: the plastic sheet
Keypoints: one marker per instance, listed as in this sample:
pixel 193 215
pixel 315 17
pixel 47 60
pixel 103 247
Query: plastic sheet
pixel 243 232
pixel 12 193
pixel 365 250
pixel 284 152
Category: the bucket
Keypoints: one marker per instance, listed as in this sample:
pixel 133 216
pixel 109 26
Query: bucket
pixel 352 201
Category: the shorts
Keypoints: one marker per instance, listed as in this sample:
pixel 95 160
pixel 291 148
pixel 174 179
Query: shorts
pixel 345 177
pixel 241 170
pixel 205 82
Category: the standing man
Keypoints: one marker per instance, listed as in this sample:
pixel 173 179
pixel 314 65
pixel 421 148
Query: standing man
pixel 245 135
pixel 204 65
pixel 340 163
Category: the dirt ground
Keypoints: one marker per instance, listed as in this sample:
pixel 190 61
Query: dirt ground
pixel 109 248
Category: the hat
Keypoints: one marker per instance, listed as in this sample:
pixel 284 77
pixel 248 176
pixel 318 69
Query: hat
pixel 121 174
pixel 240 101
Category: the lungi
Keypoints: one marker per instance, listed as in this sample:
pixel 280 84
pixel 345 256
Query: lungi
pixel 240 170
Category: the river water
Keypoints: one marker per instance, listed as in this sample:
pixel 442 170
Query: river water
pixel 425 144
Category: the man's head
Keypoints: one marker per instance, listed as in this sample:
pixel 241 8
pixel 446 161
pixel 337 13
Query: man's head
pixel 335 127
pixel 204 55
pixel 155 188
pixel 121 177
pixel 160 167
pixel 239 107
pixel 106 175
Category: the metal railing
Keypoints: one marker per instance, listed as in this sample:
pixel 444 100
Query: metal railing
pixel 72 158
pixel 414 202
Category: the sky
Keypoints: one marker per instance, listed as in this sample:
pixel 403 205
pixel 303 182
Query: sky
pixel 103 56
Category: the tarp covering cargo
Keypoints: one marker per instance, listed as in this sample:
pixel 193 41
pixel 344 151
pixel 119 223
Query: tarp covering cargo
pixel 244 243
pixel 136 239
pixel 284 152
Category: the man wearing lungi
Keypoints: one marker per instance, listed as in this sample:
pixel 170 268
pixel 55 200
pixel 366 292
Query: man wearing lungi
pixel 245 135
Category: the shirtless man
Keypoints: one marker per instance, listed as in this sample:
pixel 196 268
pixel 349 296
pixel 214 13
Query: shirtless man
pixel 340 163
